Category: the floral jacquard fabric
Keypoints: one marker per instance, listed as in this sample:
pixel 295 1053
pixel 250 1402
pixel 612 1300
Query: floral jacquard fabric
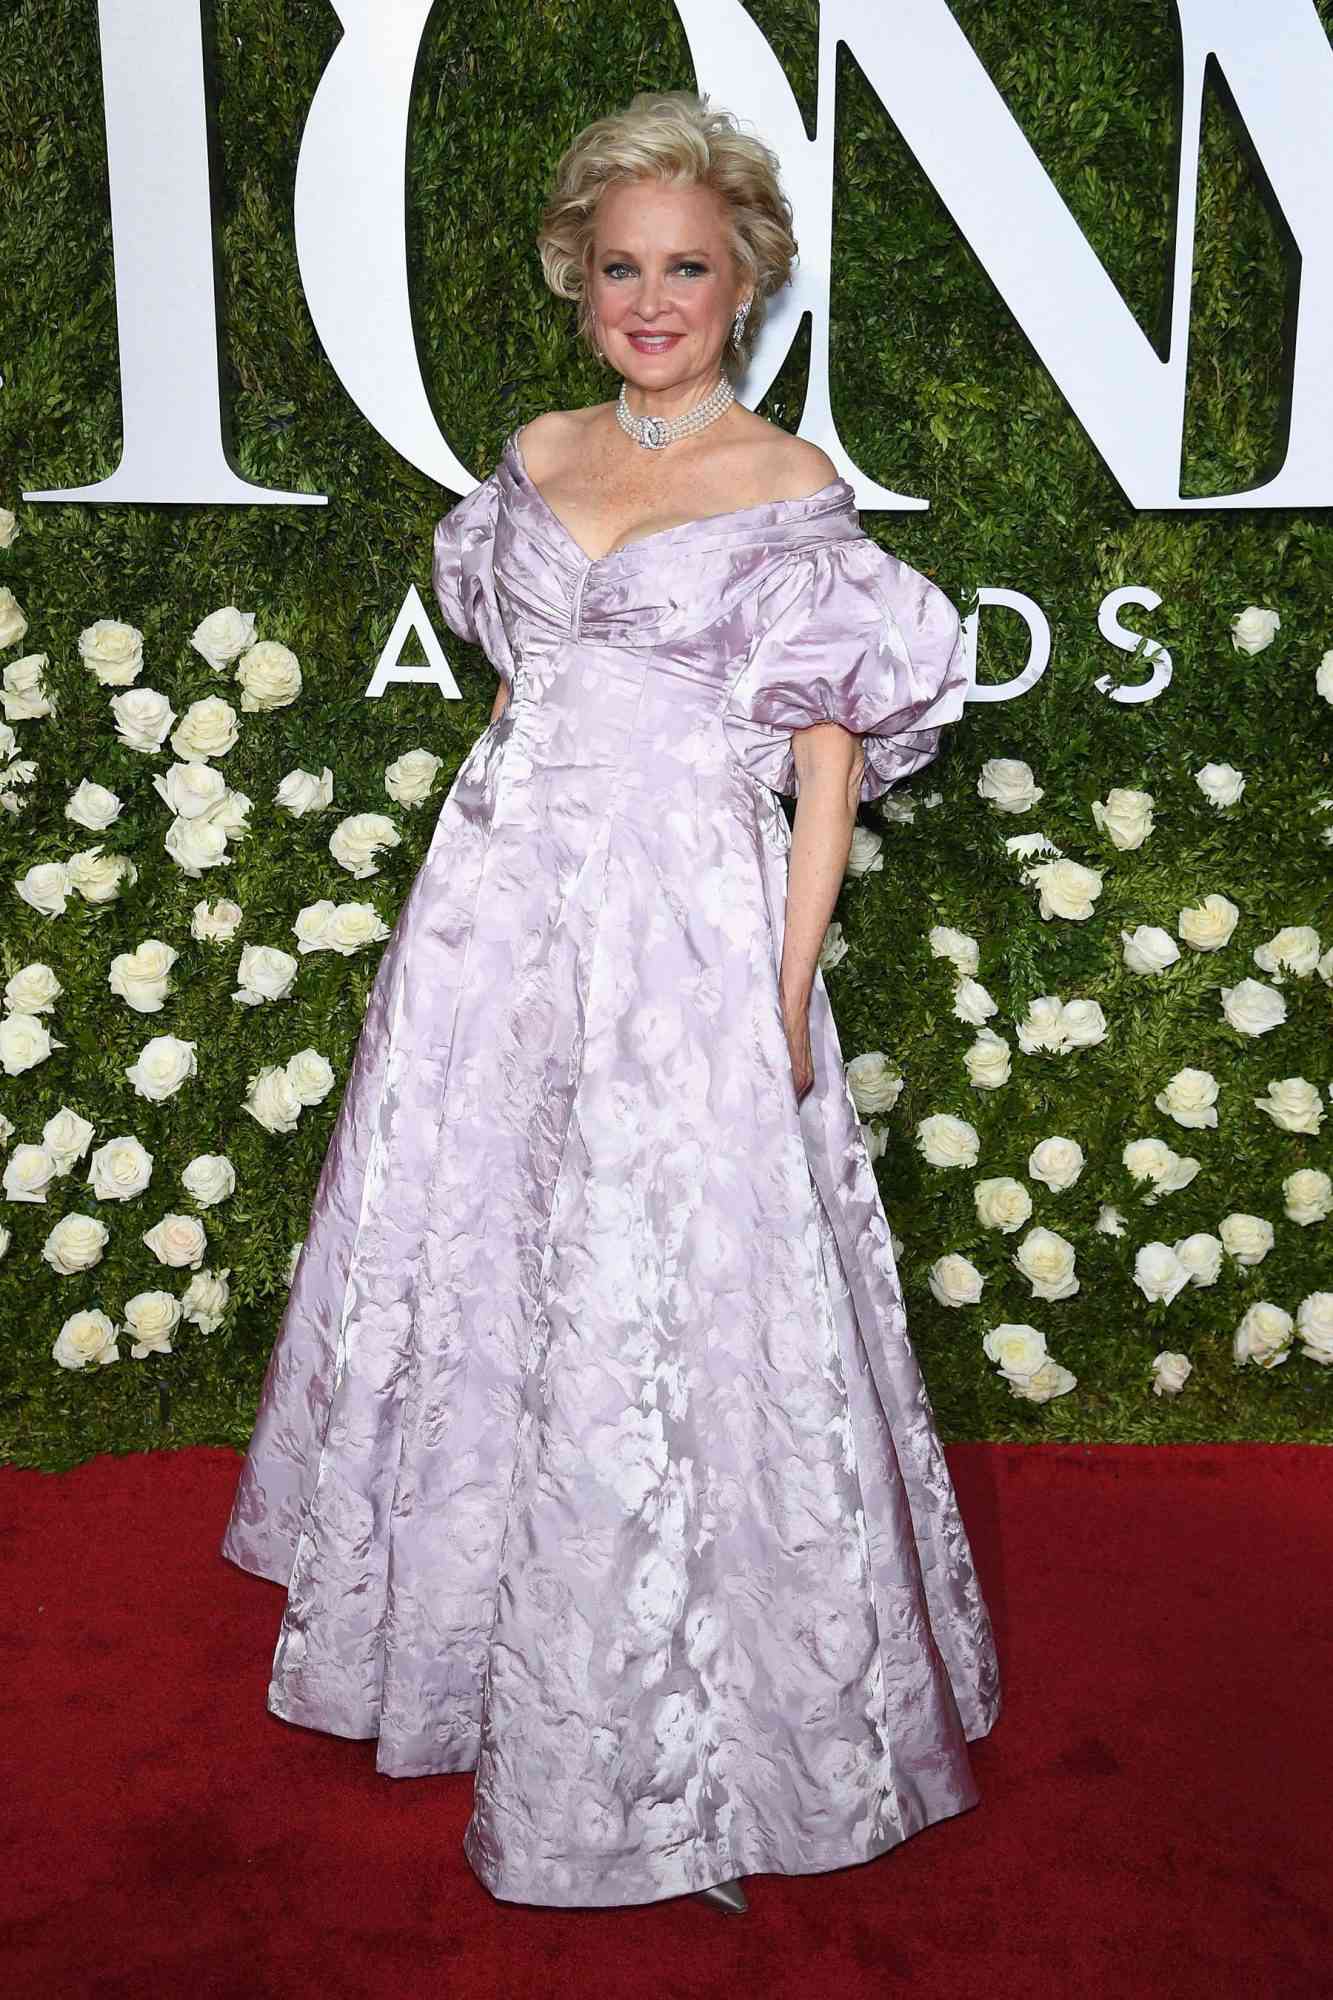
pixel 593 1452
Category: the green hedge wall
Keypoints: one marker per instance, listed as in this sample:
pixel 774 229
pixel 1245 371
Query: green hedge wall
pixel 936 391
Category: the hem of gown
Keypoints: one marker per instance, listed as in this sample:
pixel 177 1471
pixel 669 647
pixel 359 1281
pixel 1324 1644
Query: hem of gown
pixel 704 1864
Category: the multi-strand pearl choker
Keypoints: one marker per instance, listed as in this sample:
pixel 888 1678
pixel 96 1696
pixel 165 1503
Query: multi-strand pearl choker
pixel 655 432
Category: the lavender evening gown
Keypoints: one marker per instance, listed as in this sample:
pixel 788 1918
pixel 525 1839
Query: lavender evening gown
pixel 593 1452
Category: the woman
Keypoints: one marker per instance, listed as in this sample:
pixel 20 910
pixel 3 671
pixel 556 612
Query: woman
pixel 593 1452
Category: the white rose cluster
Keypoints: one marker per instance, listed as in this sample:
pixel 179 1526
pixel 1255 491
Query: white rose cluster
pixel 340 927
pixel 1019 1352
pixel 279 1093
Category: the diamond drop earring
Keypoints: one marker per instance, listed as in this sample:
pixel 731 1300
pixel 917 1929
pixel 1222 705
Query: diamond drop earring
pixel 738 324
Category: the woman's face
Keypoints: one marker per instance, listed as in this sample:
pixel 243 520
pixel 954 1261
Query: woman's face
pixel 662 266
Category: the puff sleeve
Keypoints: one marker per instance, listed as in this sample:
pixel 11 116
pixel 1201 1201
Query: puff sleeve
pixel 463 574
pixel 847 633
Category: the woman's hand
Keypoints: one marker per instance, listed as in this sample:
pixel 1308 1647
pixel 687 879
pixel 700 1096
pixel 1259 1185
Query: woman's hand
pixel 796 1021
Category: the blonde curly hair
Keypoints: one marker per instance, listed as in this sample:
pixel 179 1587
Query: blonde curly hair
pixel 671 135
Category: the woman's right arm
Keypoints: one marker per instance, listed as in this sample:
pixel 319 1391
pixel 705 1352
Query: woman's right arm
pixel 501 702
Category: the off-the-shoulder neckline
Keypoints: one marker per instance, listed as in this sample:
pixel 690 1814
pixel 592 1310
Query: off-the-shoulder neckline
pixel 837 493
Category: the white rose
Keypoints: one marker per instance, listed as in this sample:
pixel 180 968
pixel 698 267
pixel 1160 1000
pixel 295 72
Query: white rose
pixel 1294 949
pixel 1159 1273
pixel 24 697
pixel 1209 924
pixel 1190 1097
pixel 29 1172
pixel 955 1280
pixel 196 844
pixel 24 1042
pixel 209 1178
pixel 352 926
pixel 8 527
pixel 1110 1222
pixel 6 1129
pixel 273 1101
pixel 312 926
pixel 961 949
pixel 900 812
pixel 988 1061
pixel 1253 628
pixel 231 814
pixel 222 635
pixel 1152 1160
pixel 356 840
pixel 1002 1203
pixel 1263 1336
pixel 1293 1104
pixel 191 791
pixel 9 743
pixel 162 1065
pixel 13 622
pixel 112 651
pixel 177 1240
pixel 1083 1022
pixel 75 1244
pixel 45 888
pixel 1221 784
pixel 139 977
pixel 1042 1031
pixel 409 778
pixel 1309 1195
pixel 302 792
pixel 1007 784
pixel 143 717
pixel 864 856
pixel 66 1136
pixel 1148 948
pixel 120 1168
pixel 1065 888
pixel 294 1258
pixel 310 1075
pixel 1201 1254
pixel 5 1239
pixel 1046 1260
pixel 833 949
pixel 1170 1373
pixel 205 1299
pixel 1024 845
pixel 1045 1382
pixel 209 728
pixel 946 1141
pixel 876 1140
pixel 270 675
pixel 33 989
pixel 1248 1238
pixel 85 1338
pixel 1057 1162
pixel 97 876
pixel 1314 1323
pixel 1017 1349
pixel 264 973
pixel 1323 676
pixel 215 923
pixel 92 806
pixel 874 1085
pixel 1125 816
pixel 971 1002
pixel 152 1318
pixel 1252 1008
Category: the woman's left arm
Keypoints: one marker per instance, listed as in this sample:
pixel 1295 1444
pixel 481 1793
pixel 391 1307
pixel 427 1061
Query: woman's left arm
pixel 829 762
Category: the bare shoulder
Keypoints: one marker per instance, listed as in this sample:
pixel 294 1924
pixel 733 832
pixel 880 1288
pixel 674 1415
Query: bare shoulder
pixel 549 437
pixel 792 468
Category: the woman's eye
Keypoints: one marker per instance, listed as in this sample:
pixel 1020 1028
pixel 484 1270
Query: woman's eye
pixel 614 270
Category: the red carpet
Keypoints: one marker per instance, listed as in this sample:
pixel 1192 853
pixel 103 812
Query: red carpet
pixel 1155 1818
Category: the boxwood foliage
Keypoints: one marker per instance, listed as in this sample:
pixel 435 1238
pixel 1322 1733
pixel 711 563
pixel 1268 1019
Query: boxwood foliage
pixel 937 392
